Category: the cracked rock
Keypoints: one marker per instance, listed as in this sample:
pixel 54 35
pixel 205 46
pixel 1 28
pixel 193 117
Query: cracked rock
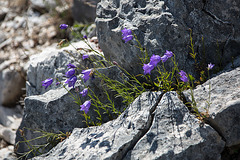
pixel 224 102
pixel 111 140
pixel 146 130
pixel 175 134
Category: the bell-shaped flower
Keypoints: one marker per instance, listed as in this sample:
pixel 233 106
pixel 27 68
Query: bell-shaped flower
pixel 183 76
pixel 147 68
pixel 154 60
pixel 84 92
pixel 71 81
pixel 47 82
pixel 63 26
pixel 86 74
pixel 71 66
pixel 70 73
pixel 169 54
pixel 127 35
pixel 210 66
pixel 85 56
pixel 85 106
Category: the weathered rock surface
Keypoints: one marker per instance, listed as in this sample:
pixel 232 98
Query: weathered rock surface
pixel 52 63
pixel 224 102
pixel 164 25
pixel 84 10
pixel 56 110
pixel 175 134
pixel 148 129
pixel 113 139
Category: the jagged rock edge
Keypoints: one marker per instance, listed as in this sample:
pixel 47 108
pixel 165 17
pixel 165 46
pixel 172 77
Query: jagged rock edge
pixel 123 151
pixel 208 121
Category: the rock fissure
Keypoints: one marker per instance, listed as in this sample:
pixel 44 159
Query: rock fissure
pixel 146 129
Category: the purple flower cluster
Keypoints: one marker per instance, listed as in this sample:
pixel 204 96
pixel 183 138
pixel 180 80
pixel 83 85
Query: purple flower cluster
pixel 154 60
pixel 70 75
pixel 166 55
pixel 126 35
pixel 183 76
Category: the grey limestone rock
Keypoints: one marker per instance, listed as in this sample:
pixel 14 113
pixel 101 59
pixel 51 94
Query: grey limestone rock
pixel 111 140
pixel 52 63
pixel 154 126
pixel 176 134
pixel 164 25
pixel 224 102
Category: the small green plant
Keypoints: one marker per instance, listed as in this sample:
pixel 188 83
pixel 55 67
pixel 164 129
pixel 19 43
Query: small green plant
pixel 52 139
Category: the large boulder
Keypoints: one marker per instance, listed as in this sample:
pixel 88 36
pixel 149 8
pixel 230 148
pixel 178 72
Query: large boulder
pixel 154 126
pixel 164 25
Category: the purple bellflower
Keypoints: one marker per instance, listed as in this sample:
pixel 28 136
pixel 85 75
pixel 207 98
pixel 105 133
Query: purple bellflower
pixel 169 54
pixel 86 74
pixel 154 60
pixel 47 82
pixel 84 92
pixel 71 81
pixel 85 56
pixel 85 106
pixel 85 37
pixel 147 68
pixel 71 66
pixel 127 35
pixel 210 66
pixel 63 26
pixel 164 58
pixel 183 76
pixel 70 73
